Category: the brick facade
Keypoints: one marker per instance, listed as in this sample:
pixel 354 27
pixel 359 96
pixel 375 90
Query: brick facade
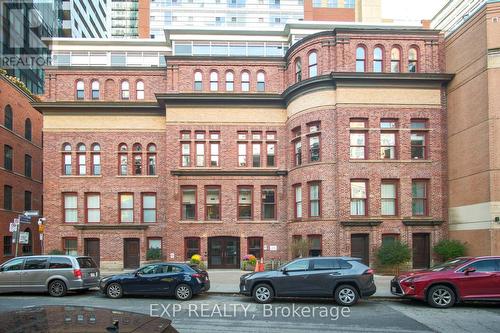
pixel 18 102
pixel 322 106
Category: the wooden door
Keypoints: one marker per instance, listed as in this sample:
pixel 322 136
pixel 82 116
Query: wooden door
pixel 421 250
pixel 91 248
pixel 131 253
pixel 360 247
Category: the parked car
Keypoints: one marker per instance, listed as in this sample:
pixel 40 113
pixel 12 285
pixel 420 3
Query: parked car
pixel 172 279
pixel 53 273
pixel 344 278
pixel 460 279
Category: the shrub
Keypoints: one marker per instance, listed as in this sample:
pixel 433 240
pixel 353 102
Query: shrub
pixel 300 248
pixel 55 252
pixel 153 254
pixel 393 254
pixel 448 249
pixel 195 259
pixel 251 259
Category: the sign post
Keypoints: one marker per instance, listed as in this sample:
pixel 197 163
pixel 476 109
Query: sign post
pixel 18 229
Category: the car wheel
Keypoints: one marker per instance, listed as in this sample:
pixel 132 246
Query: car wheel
pixel 263 293
pixel 441 297
pixel 57 288
pixel 183 292
pixel 114 290
pixel 346 295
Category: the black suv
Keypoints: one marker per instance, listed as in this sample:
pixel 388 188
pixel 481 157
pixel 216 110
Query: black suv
pixel 344 278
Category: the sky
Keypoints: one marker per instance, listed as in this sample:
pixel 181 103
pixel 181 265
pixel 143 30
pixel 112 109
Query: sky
pixel 411 10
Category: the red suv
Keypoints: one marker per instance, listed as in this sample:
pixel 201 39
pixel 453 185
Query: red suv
pixel 461 279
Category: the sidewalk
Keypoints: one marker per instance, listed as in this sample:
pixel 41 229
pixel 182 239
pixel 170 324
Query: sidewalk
pixel 228 281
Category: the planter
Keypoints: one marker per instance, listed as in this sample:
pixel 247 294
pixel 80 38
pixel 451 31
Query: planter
pixel 246 266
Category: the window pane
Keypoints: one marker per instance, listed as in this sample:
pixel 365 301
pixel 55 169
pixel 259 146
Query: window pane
pixel 149 201
pixel 149 215
pixel 70 201
pixel 93 215
pixel 127 201
pixel 93 201
pixel 154 244
pixel 358 190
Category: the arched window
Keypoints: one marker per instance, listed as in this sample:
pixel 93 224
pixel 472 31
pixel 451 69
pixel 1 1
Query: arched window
pixel 80 89
pixel 96 159
pixel 81 158
pixel 66 159
pixel 395 60
pixel 122 147
pixel 313 64
pixel 261 81
pixel 413 60
pixel 125 90
pixel 245 81
pixel 214 81
pixel 9 119
pixel 95 89
pixel 27 129
pixel 137 147
pixel 123 159
pixel 229 81
pixel 137 158
pixel 360 59
pixel 139 87
pixel 378 64
pixel 28 248
pixel 151 159
pixel 198 81
pixel 298 70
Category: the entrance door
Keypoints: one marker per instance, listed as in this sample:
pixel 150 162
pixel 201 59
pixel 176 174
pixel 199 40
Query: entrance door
pixel 224 252
pixel 421 251
pixel 91 248
pixel 131 253
pixel 360 244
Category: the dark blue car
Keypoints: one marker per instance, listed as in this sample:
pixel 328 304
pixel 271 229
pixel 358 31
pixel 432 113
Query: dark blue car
pixel 172 279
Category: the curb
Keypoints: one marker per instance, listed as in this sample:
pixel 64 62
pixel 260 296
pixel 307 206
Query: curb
pixel 236 293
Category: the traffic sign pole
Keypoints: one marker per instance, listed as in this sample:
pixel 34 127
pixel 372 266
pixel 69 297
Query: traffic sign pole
pixel 18 231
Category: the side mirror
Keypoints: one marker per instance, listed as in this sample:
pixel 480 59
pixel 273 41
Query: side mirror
pixel 284 271
pixel 469 270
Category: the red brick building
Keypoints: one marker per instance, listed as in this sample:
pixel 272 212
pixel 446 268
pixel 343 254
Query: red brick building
pixel 340 140
pixel 20 166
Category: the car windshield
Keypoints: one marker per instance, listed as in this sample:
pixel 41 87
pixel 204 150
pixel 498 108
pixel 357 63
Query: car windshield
pixel 449 265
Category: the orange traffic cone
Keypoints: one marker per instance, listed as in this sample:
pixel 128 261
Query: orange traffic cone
pixel 257 266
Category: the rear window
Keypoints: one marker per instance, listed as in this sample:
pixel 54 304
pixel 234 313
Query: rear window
pixel 344 264
pixel 60 262
pixel 86 262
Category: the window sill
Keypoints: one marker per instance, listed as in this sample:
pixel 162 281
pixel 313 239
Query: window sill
pixel 258 222
pixel 199 222
pixel 80 176
pixel 137 176
pixel 391 161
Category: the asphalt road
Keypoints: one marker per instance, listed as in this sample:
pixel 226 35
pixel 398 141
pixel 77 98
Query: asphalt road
pixel 235 313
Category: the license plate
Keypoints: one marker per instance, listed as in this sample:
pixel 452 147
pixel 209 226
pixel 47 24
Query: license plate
pixel 393 289
pixel 93 274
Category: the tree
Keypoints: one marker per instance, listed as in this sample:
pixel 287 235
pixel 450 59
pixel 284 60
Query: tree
pixel 450 248
pixel 393 254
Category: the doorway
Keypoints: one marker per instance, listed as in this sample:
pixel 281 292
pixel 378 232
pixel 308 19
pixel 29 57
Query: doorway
pixel 360 247
pixel 91 248
pixel 131 253
pixel 224 252
pixel 421 250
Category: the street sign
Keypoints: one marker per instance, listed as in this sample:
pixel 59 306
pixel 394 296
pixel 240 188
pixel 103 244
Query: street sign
pixel 24 237
pixel 24 219
pixel 12 227
pixel 16 221
pixel 31 213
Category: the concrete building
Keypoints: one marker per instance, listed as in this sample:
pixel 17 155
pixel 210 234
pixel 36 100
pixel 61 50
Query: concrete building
pixel 340 140
pixel 130 19
pixel 368 11
pixel 20 165
pixel 472 52
pixel 85 18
